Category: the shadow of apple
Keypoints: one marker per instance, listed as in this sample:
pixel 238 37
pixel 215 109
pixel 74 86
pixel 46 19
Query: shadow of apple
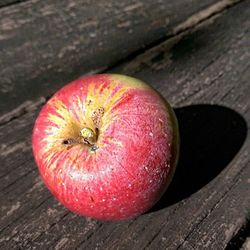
pixel 211 136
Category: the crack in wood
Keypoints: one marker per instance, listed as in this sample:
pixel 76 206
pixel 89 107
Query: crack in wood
pixel 178 32
pixel 205 14
pixel 81 245
pixel 240 237
pixel 18 179
pixel 27 190
pixel 27 245
pixel 24 108
pixel 100 225
pixel 237 179
pixel 14 168
pixel 25 213
pixel 212 82
pixel 134 60
pixel 8 3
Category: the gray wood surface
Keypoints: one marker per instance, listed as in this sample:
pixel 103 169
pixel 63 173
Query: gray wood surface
pixel 204 72
pixel 44 44
pixel 6 3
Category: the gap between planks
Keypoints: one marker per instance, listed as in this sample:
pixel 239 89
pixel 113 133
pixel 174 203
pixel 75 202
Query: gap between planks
pixel 175 35
pixel 8 3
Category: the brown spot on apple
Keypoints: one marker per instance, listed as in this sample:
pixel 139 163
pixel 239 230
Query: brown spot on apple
pixel 89 102
pixel 97 116
pixel 68 141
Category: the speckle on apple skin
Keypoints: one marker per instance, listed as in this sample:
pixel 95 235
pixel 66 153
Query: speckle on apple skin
pixel 135 149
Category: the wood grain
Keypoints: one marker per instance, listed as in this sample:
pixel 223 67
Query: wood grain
pixel 45 44
pixel 204 73
pixel 6 3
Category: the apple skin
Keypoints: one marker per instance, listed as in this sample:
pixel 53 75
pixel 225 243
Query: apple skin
pixel 130 163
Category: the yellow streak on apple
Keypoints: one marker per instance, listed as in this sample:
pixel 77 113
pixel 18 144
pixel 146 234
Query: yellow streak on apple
pixel 67 125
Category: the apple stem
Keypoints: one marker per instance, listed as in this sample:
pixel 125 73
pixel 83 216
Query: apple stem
pixel 89 136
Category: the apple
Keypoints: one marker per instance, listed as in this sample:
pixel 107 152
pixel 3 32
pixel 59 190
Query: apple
pixel 106 146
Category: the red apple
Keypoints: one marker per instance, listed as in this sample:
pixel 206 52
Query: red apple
pixel 106 146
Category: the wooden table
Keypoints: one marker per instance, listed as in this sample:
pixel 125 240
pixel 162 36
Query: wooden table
pixel 195 53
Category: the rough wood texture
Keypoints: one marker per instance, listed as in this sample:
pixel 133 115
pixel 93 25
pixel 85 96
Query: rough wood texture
pixel 204 73
pixel 5 3
pixel 44 44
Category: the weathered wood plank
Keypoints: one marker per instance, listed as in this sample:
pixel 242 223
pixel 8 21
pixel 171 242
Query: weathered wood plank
pixel 246 245
pixel 241 240
pixel 5 3
pixel 208 64
pixel 44 44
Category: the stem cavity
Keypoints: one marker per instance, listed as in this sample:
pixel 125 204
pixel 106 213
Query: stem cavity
pixel 87 135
